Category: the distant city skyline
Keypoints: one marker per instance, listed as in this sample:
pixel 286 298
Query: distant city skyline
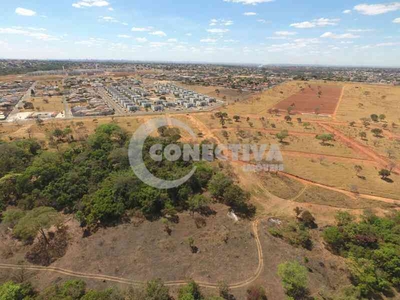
pixel 263 32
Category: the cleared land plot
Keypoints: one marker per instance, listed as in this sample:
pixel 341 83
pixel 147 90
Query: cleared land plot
pixel 342 175
pixel 294 143
pixel 385 145
pixel 360 101
pixel 261 102
pixel 213 122
pixel 319 99
pixel 318 195
pixel 142 250
pixel 46 104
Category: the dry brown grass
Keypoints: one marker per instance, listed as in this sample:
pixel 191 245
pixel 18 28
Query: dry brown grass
pixel 342 175
pixel 361 101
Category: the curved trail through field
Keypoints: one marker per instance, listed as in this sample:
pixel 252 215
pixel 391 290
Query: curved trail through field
pixel 121 280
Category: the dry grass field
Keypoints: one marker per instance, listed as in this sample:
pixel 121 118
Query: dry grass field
pixel 46 104
pixel 361 101
pixel 343 176
pixel 386 145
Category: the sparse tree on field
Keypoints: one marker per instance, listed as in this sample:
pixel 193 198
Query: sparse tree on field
pixel 375 117
pixel 363 135
pixel 256 292
pixel 358 169
pixel 377 132
pixel 352 124
pixel 288 118
pixel 384 173
pixel 382 117
pixel 306 125
pixel 236 118
pixel 282 135
pixel 325 137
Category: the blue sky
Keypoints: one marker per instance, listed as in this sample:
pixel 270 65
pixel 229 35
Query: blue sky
pixel 342 32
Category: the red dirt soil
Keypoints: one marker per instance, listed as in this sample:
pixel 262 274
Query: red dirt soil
pixel 307 100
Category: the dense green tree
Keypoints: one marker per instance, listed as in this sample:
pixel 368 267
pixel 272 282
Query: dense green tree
pixel 13 291
pixel 294 279
pixel 34 222
pixel 219 184
pixel 191 291
pixel 156 290
pixel 325 137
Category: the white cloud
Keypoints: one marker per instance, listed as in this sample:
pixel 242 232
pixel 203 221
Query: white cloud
pixel 36 33
pixel 172 40
pixel 220 22
pixel 25 12
pixel 360 30
pixel 141 40
pixel 208 40
pixel 141 29
pixel 263 21
pixel 217 31
pixel 124 36
pixel 108 19
pixel 347 11
pixel 231 41
pixel 111 20
pixel 277 38
pixel 111 9
pixel 285 33
pixel 377 9
pixel 387 44
pixel 188 34
pixel 322 22
pixel 157 44
pixel 331 35
pixel 250 14
pixel 90 3
pixel 158 33
pixel 249 2
pixel 396 21
pixel 91 42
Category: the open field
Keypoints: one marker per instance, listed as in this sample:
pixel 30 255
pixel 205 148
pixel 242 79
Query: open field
pixel 46 104
pixel 295 143
pixel 261 102
pixel 318 195
pixel 318 99
pixel 343 176
pixel 136 249
pixel 386 145
pixel 360 101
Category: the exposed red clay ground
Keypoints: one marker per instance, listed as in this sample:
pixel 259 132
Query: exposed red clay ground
pixel 321 99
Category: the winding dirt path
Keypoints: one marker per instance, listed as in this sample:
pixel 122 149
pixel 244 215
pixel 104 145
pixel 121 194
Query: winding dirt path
pixel 67 272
